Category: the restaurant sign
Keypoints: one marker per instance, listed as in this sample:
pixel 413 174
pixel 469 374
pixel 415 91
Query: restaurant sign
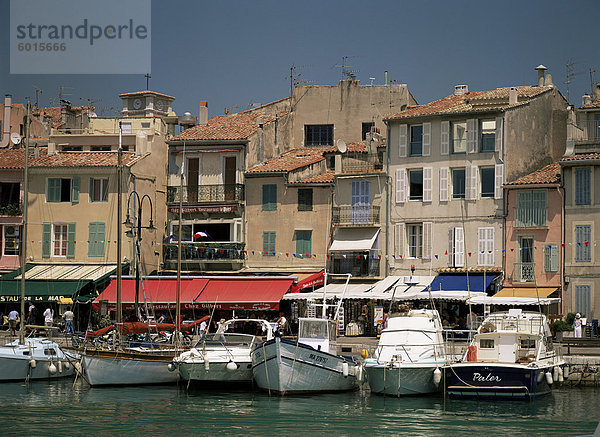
pixel 197 209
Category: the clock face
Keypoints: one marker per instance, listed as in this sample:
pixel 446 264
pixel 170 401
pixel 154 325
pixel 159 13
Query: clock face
pixel 137 103
pixel 159 105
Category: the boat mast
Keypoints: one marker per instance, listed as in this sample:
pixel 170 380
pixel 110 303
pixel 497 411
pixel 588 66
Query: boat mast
pixel 24 232
pixel 178 293
pixel 119 318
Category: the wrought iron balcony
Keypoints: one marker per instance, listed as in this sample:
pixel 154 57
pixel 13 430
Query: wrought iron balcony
pixel 524 272
pixel 206 252
pixel 206 193
pixel 355 215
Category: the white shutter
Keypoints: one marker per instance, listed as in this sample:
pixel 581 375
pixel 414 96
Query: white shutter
pixel 499 180
pixel 499 133
pixel 485 246
pixel 459 247
pixel 490 247
pixel 471 182
pixel 444 172
pixel 400 185
pixel 451 247
pixel 402 140
pixel 399 249
pixel 427 236
pixel 471 135
pixel 445 138
pixel 481 246
pixel 427 183
pixel 426 139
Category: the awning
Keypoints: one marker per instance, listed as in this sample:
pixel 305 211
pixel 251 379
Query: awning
pixel 73 272
pixel 526 292
pixel 160 293
pixel 354 240
pixel 308 282
pixel 243 294
pixel 476 282
pixel 512 301
pixel 39 290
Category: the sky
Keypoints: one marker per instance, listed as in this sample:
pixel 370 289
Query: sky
pixel 238 53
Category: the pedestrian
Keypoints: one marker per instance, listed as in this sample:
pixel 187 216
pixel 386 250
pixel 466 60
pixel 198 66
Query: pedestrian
pixel 13 316
pixel 48 320
pixel 577 326
pixel 68 316
pixel 281 324
pixel 31 314
pixel 202 328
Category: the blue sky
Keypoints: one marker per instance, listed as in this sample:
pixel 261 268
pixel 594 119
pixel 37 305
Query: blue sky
pixel 238 53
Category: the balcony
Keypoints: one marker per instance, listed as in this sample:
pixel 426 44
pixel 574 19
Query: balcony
pixel 213 252
pixel 206 193
pixel 11 209
pixel 361 162
pixel 356 215
pixel 524 272
pixel 584 132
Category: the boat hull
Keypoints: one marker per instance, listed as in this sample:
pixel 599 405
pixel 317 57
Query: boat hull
pixel 286 367
pixel 16 365
pixel 495 380
pixel 216 373
pixel 402 379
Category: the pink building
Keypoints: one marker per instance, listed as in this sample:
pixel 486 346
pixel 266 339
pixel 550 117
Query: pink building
pixel 533 234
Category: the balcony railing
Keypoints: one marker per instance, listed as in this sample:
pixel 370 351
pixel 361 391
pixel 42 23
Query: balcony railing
pixel 524 272
pixel 11 209
pixel 355 215
pixel 206 193
pixel 587 131
pixel 361 162
pixel 214 251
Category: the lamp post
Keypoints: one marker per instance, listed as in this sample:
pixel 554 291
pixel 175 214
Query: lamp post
pixel 137 235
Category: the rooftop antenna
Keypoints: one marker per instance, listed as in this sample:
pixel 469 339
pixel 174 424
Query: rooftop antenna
pixel 570 74
pixel 62 94
pixel 147 76
pixel 592 71
pixel 295 80
pixel 346 73
pixel 38 91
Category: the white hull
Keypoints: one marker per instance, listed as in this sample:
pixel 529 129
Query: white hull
pixel 217 372
pixel 404 379
pixel 283 366
pixel 16 366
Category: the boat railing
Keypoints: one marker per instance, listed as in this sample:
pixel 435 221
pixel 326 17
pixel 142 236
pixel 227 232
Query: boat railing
pixel 531 325
pixel 456 342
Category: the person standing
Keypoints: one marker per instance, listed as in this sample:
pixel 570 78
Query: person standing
pixel 68 316
pixel 13 316
pixel 281 324
pixel 202 328
pixel 31 314
pixel 48 320
pixel 577 326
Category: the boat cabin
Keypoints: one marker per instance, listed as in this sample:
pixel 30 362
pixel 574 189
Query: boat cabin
pixel 320 334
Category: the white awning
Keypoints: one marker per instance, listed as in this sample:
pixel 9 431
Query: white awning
pixel 512 300
pixel 91 272
pixel 354 240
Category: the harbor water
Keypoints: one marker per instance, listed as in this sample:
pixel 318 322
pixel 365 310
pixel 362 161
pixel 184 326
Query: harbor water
pixel 64 408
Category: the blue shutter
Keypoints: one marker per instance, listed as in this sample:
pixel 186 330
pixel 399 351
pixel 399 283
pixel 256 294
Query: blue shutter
pixel 70 240
pixel 46 239
pixel 75 185
pixel 582 186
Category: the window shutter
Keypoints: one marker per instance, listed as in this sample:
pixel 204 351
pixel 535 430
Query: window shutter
pixel 485 246
pixel 402 140
pixel 490 247
pixel 582 300
pixel 471 135
pixel 53 194
pixel 459 247
pixel 70 240
pixel 451 247
pixel 400 185
pixel 75 185
pixel 499 133
pixel 499 180
pixel 444 173
pixel 427 235
pixel 427 183
pixel 46 239
pixel 91 192
pixel 481 246
pixel 445 138
pixel 426 139
pixel 400 240
pixel 96 239
pixel 471 182
pixel 554 258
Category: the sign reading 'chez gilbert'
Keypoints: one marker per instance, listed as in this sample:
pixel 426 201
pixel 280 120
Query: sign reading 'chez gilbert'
pixel 196 209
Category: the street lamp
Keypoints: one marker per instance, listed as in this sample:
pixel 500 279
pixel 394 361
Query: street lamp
pixel 137 235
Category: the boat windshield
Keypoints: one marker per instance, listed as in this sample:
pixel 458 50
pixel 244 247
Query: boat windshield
pixel 227 339
pixel 313 329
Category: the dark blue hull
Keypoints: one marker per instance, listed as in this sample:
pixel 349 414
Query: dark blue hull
pixel 487 380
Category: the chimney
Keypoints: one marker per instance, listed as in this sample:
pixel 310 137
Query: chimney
pixel 541 71
pixel 6 124
pixel 513 94
pixel 459 90
pixel 548 80
pixel 596 95
pixel 203 114
pixel 385 74
pixel 586 99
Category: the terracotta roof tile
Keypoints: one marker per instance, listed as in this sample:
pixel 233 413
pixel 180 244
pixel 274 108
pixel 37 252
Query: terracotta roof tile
pixel 55 113
pixel 581 157
pixel 291 160
pixel 142 93
pixel 14 159
pixel 86 159
pixel 592 105
pixel 549 174
pixel 325 178
pixel 474 101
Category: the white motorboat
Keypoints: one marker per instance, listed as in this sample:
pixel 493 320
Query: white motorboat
pixel 511 355
pixel 409 356
pixel 36 358
pixel 307 365
pixel 224 356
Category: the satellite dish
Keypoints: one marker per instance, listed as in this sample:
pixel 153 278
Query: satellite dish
pixel 15 138
pixel 341 146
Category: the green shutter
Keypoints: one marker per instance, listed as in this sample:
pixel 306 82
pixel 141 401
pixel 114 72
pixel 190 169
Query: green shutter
pixel 91 192
pixel 75 183
pixel 53 194
pixel 269 197
pixel 96 239
pixel 554 258
pixel 46 239
pixel 303 248
pixel 70 240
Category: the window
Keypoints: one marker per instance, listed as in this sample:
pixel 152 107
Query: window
pixel 10 194
pixel 268 243
pixel 486 343
pixel 305 199
pixel 62 190
pixel 318 135
pixel 366 128
pixel 485 252
pixel 416 184
pixel 72 148
pixel 145 125
pixel 525 268
pixel 125 128
pixel 583 300
pixel 582 186
pixel 100 149
pixel 96 240
pixel 58 239
pixel 11 239
pixel 458 183
pixel 531 208
pixel 459 137
pixel 359 202
pixel 415 240
pixel 583 234
pixel 303 246
pixel 487 182
pixel 416 140
pixel 488 136
pixel 98 190
pixel 527 343
pixel 269 197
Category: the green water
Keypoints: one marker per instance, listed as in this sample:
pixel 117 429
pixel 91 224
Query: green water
pixel 61 408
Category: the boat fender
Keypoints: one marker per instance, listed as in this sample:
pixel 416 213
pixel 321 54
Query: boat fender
pixel 345 369
pixel 360 374
pixel 540 376
pixel 32 363
pixel 171 367
pixel 549 378
pixel 555 373
pixel 67 365
pixel 60 366
pixel 52 369
pixel 565 371
pixel 206 364
pixel 364 354
pixel 561 377
pixel 78 368
pixel 437 376
pixel 231 366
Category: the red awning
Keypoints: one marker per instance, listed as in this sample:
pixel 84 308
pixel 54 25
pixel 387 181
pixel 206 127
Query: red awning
pixel 161 293
pixel 309 282
pixel 244 294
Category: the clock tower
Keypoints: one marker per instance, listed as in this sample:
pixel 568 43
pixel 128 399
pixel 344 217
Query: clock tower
pixel 146 104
